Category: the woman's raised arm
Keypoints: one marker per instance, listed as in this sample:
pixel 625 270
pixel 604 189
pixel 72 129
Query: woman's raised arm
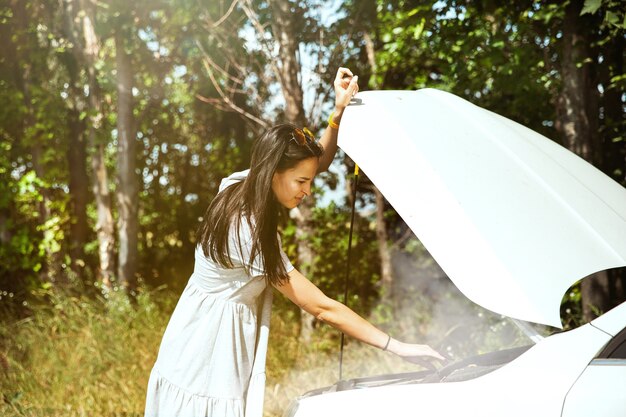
pixel 346 85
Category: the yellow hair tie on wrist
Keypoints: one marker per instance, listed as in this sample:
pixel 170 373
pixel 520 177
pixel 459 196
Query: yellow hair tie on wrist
pixel 331 123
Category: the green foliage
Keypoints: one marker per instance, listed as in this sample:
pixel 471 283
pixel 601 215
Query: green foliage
pixel 571 308
pixel 33 137
pixel 329 242
pixel 614 15
pixel 22 254
pixel 490 55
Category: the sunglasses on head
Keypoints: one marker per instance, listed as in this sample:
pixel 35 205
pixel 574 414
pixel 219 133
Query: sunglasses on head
pixel 302 137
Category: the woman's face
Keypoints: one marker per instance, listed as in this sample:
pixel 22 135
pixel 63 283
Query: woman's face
pixel 292 185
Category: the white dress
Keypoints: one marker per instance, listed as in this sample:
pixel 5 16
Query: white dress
pixel 211 360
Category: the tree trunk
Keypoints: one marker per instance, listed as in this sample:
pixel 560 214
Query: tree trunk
pixel 289 69
pixel 77 163
pixel 306 255
pixel 614 152
pixel 577 112
pixel 104 226
pixel 576 117
pixel 386 270
pixel 596 295
pixel 79 192
pixel 127 184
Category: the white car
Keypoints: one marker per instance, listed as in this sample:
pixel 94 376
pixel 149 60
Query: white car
pixel 514 220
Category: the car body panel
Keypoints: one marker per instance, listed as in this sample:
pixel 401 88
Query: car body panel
pixel 600 391
pixel 534 384
pixel 512 218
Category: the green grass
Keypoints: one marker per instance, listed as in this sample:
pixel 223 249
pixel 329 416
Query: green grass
pixel 80 356
pixel 76 356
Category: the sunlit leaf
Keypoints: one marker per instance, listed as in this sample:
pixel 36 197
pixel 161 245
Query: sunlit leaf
pixel 611 18
pixel 591 6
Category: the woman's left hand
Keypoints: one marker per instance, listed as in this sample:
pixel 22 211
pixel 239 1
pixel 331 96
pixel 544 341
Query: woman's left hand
pixel 346 86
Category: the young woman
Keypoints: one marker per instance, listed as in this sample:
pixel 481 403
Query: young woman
pixel 212 357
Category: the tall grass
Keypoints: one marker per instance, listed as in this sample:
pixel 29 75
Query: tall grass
pixel 80 356
pixel 85 356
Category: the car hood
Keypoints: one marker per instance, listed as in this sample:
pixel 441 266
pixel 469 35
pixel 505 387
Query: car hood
pixel 513 218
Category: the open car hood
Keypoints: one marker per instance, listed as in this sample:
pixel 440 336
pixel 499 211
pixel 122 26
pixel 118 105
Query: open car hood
pixel 513 218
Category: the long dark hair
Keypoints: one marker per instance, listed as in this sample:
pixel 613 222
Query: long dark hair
pixel 253 201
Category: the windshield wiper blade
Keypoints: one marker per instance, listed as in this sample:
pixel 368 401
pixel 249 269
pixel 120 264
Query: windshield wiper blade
pixel 380 380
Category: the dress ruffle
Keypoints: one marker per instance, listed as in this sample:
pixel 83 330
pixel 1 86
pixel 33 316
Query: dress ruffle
pixel 167 399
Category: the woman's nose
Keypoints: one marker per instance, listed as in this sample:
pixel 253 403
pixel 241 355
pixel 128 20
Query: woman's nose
pixel 307 189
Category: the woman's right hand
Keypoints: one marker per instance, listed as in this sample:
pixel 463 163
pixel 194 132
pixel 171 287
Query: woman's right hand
pixel 346 86
pixel 414 353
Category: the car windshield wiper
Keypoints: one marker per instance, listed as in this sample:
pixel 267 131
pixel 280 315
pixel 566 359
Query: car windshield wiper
pixel 381 380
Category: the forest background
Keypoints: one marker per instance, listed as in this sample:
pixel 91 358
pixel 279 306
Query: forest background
pixel 118 120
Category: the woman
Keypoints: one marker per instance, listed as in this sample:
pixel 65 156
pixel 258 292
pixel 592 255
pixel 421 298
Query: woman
pixel 212 357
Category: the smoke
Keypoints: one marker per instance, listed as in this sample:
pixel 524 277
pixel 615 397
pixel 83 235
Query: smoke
pixel 429 309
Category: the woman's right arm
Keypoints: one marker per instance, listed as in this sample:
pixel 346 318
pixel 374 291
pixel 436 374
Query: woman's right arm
pixel 307 296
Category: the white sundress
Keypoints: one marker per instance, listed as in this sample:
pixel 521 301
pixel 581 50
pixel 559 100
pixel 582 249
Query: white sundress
pixel 211 361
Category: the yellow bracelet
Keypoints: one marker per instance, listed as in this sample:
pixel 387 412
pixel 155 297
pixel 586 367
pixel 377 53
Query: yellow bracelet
pixel 331 123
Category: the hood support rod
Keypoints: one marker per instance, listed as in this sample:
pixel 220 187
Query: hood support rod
pixel 345 292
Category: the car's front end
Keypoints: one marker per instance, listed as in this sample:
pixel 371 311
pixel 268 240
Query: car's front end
pixel 525 381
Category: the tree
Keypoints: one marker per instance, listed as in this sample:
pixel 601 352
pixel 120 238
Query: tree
pixel 77 150
pixel 127 184
pixel 86 19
